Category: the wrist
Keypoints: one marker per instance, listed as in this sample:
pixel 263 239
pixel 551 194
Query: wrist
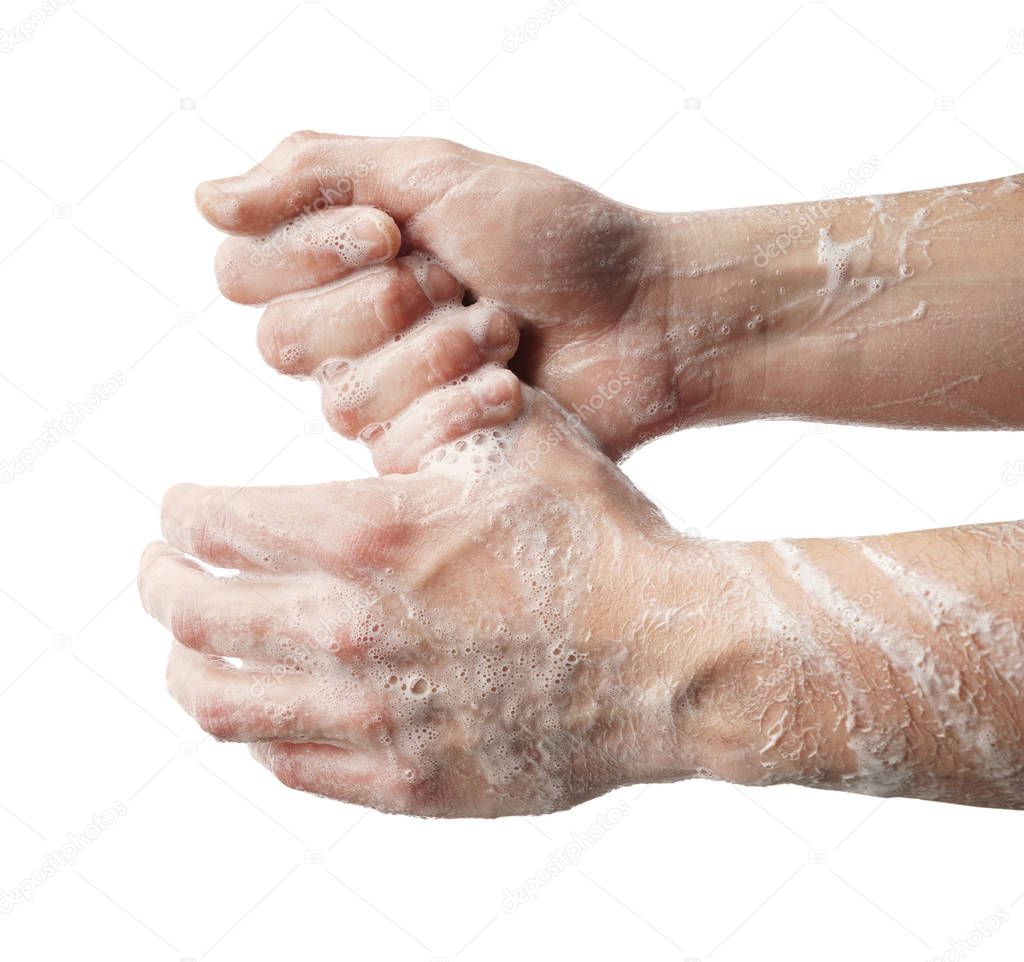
pixel 694 703
pixel 737 290
pixel 741 699
pixel 698 291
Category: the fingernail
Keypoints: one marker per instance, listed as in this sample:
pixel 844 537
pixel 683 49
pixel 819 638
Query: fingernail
pixel 227 185
pixel 499 332
pixel 213 198
pixel 496 388
pixel 371 433
pixel 376 242
pixel 438 284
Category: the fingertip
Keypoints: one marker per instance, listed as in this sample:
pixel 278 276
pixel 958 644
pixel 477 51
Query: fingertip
pixel 171 505
pixel 261 751
pixel 439 284
pixel 152 553
pixel 393 237
pixel 499 335
pixel 231 278
pixel 500 388
pixel 218 204
pixel 381 236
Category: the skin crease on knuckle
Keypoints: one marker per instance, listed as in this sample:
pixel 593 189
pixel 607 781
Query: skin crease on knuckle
pixel 441 349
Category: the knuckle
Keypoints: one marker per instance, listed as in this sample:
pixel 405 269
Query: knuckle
pixel 217 719
pixel 370 542
pixel 300 140
pixel 206 541
pixel 211 714
pixel 295 154
pixel 188 623
pixel 447 353
pixel 283 767
pixel 371 533
pixel 443 146
pixel 399 301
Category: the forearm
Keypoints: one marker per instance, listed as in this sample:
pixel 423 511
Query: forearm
pixel 889 666
pixel 899 310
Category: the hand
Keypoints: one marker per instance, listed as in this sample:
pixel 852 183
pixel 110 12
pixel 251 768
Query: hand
pixel 505 631
pixel 587 279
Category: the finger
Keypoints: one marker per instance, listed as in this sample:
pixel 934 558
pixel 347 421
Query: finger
pixel 489 398
pixel 329 527
pixel 238 617
pixel 357 777
pixel 311 171
pixel 383 384
pixel 305 253
pixel 298 333
pixel 237 704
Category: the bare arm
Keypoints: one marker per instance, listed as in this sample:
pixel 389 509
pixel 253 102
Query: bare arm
pixel 898 310
pixel 886 665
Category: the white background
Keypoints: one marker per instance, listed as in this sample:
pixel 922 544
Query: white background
pixel 112 111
